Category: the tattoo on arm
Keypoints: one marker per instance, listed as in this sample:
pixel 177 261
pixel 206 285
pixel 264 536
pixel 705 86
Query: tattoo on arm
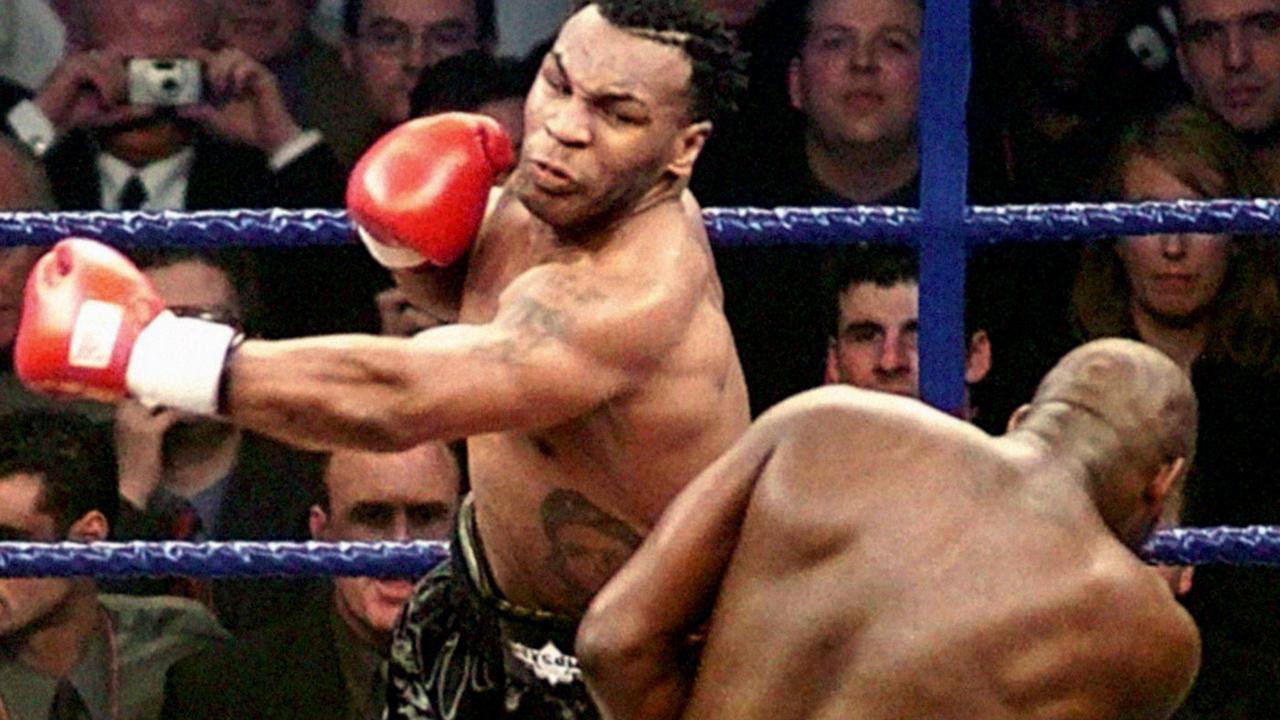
pixel 534 323
pixel 538 319
pixel 588 545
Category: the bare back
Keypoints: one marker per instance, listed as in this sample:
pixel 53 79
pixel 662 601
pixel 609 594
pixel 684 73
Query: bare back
pixel 561 507
pixel 942 575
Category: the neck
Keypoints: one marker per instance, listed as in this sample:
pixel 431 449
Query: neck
pixel 863 173
pixel 143 145
pixel 1183 344
pixel 192 467
pixel 57 645
pixel 375 640
pixel 602 227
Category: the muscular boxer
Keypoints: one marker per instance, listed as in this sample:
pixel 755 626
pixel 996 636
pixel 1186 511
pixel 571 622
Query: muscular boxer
pixel 861 556
pixel 590 366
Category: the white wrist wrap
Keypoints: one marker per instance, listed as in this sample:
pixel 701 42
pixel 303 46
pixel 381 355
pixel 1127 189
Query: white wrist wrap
pixel 389 256
pixel 177 363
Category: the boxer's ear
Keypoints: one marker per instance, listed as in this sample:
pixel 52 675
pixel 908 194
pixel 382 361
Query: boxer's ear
pixel 91 527
pixel 688 145
pixel 1017 417
pixel 1165 479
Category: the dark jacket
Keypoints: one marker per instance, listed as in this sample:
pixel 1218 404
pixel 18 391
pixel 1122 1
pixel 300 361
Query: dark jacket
pixel 289 671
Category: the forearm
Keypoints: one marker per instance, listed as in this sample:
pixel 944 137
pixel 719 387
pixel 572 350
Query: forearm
pixel 385 393
pixel 325 393
pixel 630 686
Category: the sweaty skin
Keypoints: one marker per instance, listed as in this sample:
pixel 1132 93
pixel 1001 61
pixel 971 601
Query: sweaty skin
pixel 605 370
pixel 862 556
pixel 591 367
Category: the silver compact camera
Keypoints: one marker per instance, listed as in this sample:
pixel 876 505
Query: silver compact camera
pixel 164 81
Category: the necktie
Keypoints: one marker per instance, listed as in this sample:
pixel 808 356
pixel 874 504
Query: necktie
pixel 67 704
pixel 133 194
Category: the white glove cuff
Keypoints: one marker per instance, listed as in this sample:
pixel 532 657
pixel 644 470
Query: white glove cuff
pixel 389 256
pixel 177 363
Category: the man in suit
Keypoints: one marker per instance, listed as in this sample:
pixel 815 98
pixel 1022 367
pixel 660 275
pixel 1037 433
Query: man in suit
pixel 67 650
pixel 344 629
pixel 238 147
pixel 185 477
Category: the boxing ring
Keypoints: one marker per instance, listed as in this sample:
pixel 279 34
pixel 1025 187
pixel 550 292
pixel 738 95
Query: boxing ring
pixel 944 228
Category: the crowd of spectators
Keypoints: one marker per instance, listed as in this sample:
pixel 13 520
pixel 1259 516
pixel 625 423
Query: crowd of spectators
pixel 1072 100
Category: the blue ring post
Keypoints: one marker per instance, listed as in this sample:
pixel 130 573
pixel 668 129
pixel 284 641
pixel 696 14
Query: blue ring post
pixel 944 160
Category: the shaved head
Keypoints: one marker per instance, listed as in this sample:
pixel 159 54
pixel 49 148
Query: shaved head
pixel 1134 389
pixel 1127 414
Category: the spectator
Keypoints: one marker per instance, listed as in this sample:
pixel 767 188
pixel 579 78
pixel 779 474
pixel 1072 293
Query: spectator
pixel 184 477
pixel 311 76
pixel 344 633
pixel 388 43
pixel 1229 53
pixel 240 149
pixel 874 320
pixel 475 82
pixel 852 80
pixel 65 650
pixel 1192 296
pixel 1055 83
pixel 1212 303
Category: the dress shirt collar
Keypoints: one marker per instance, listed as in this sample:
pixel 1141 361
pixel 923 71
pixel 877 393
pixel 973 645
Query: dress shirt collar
pixel 28 692
pixel 165 180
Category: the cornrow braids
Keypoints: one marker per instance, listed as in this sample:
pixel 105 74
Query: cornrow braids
pixel 719 69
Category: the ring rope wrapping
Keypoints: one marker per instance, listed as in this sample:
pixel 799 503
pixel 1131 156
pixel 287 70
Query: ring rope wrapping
pixel 1250 545
pixel 728 227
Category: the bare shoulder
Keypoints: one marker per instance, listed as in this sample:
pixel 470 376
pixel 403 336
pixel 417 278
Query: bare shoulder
pixel 851 412
pixel 1147 638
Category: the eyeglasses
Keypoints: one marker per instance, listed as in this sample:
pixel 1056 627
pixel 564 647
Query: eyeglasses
pixel 395 39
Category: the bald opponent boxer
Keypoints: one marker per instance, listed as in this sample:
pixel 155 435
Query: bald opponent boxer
pixel 865 557
pixel 590 366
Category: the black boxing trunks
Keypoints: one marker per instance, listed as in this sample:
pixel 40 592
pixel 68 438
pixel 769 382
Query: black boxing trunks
pixel 461 651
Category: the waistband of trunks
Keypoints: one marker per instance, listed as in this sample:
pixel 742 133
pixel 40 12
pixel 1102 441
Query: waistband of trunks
pixel 469 555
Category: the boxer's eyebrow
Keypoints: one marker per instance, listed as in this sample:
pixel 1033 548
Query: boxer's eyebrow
pixel 599 96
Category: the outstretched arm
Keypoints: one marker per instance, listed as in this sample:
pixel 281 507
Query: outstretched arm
pixel 632 641
pixel 553 352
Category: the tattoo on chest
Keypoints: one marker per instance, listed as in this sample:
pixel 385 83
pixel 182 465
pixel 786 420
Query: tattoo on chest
pixel 588 545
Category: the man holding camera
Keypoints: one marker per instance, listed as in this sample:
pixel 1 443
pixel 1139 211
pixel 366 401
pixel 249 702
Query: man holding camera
pixel 152 117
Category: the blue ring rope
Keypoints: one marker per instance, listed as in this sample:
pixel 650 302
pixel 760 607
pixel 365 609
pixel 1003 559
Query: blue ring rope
pixel 1251 545
pixel 728 227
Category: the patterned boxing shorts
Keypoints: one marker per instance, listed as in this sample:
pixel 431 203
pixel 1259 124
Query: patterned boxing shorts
pixel 461 652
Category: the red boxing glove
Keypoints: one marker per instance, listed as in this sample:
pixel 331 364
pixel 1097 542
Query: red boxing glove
pixel 93 326
pixel 419 194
